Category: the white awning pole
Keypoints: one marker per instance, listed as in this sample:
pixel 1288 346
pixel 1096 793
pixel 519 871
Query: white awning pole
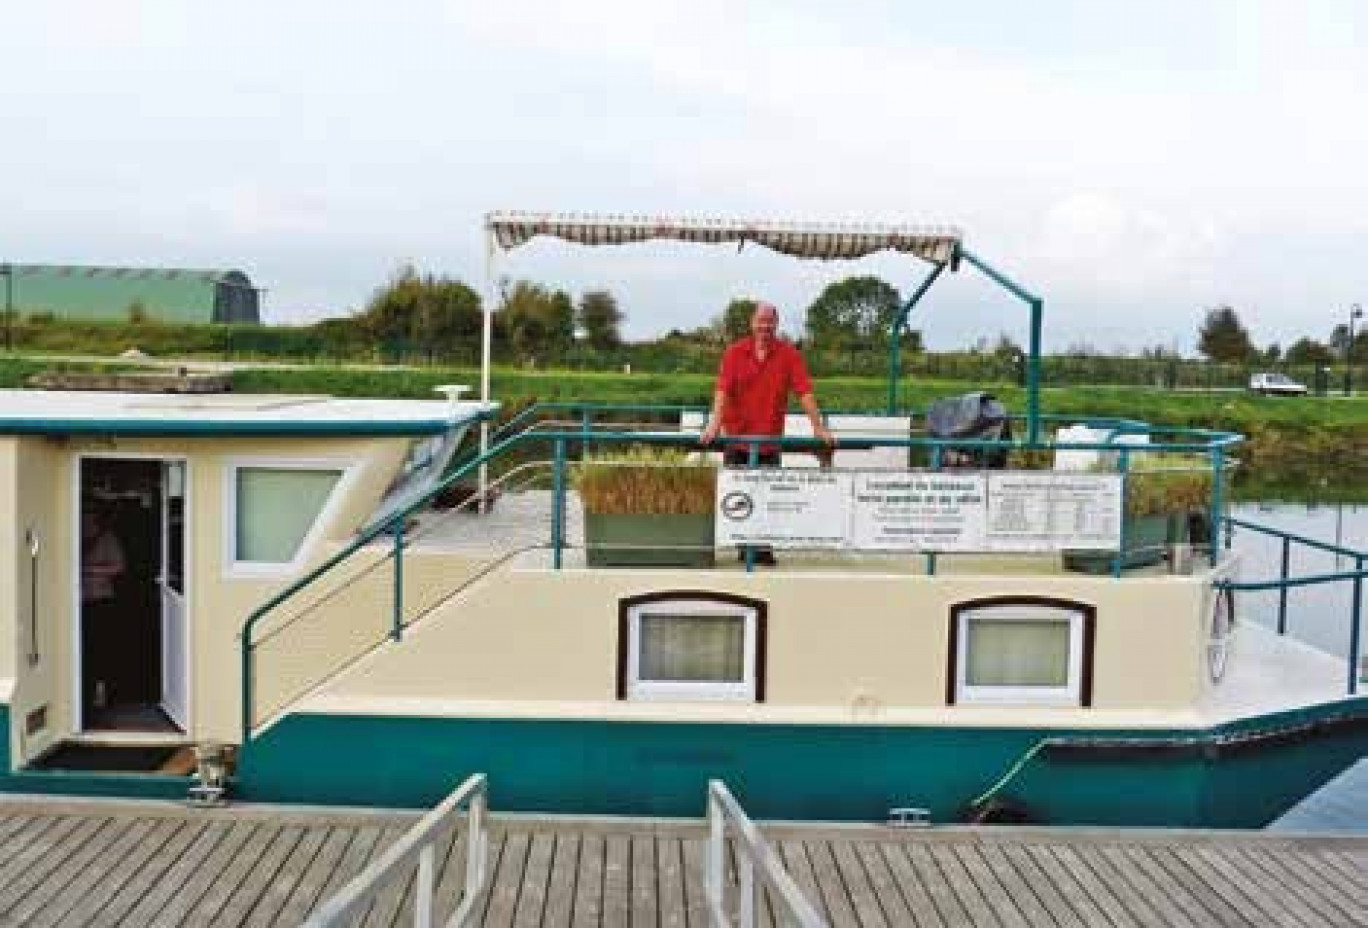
pixel 486 352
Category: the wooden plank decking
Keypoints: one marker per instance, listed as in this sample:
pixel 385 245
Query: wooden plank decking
pixel 125 863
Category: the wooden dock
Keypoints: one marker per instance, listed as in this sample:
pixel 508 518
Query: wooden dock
pixel 158 864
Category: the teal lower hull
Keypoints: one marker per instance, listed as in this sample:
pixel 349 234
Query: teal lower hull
pixel 1233 776
pixel 1216 778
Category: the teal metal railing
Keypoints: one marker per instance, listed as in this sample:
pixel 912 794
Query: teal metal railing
pixel 1286 582
pixel 583 429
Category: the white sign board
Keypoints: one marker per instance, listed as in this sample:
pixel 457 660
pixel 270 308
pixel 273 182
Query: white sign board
pixel 918 511
pixel 783 508
pixel 1043 511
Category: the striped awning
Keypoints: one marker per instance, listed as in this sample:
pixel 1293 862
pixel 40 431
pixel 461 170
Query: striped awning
pixel 936 244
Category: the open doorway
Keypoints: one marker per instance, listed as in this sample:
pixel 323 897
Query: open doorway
pixel 132 643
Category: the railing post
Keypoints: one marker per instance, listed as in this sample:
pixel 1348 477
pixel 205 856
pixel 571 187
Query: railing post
pixel 1217 489
pixel 712 863
pixel 397 629
pixel 475 841
pixel 936 451
pixel 558 505
pixel 746 889
pixel 753 459
pixel 422 892
pixel 246 680
pixel 1122 465
pixel 1355 630
pixel 1282 591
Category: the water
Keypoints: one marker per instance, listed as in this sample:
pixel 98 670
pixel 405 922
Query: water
pixel 1319 615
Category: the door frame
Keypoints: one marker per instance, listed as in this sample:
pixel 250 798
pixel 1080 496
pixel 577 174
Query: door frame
pixel 75 694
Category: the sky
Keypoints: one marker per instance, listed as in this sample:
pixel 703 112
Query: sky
pixel 1132 163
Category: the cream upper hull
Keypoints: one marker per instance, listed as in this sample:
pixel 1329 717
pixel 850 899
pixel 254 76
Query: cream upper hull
pixel 544 643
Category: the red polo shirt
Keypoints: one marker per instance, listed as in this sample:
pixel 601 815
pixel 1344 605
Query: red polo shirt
pixel 757 391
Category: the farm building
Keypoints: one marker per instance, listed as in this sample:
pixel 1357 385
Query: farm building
pixel 108 293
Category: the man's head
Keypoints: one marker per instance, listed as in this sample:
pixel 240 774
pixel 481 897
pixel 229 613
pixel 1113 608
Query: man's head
pixel 764 322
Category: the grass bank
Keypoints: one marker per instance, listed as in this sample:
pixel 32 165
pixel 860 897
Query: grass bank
pixel 1295 444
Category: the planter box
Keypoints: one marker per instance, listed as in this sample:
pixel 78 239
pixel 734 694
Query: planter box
pixel 627 540
pixel 1147 537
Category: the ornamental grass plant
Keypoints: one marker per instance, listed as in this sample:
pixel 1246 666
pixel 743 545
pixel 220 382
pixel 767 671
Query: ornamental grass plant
pixel 646 480
pixel 1159 484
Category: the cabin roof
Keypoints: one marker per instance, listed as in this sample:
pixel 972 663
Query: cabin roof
pixel 57 412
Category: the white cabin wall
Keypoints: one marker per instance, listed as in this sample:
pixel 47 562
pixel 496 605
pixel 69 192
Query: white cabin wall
pixel 37 483
pixel 34 474
pixel 221 603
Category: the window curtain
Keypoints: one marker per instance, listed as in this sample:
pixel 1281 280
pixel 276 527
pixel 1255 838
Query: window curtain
pixel 692 648
pixel 1017 653
pixel 276 507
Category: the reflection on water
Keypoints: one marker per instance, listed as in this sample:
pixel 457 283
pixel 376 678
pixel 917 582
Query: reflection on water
pixel 1318 615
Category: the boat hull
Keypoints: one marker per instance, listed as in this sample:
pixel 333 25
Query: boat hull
pixel 1239 775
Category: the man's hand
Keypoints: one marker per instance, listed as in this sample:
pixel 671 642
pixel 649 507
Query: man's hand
pixel 825 435
pixel 709 434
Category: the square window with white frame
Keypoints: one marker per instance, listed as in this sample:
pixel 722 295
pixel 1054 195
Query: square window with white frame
pixel 691 649
pixel 275 508
pixel 1027 652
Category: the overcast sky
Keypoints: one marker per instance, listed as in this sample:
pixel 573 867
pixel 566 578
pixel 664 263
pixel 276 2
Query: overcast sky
pixel 1134 163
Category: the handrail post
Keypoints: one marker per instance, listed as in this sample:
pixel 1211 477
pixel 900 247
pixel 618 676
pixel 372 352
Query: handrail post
pixel 936 451
pixel 712 863
pixel 397 627
pixel 422 892
pixel 753 459
pixel 745 889
pixel 558 505
pixel 245 675
pixel 1354 630
pixel 1217 491
pixel 1122 465
pixel 475 840
pixel 1282 591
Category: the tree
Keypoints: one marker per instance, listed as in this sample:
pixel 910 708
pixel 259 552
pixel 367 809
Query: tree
pixel 1309 351
pixel 854 310
pixel 438 313
pixel 1223 338
pixel 1006 349
pixel 736 319
pixel 600 318
pixel 536 320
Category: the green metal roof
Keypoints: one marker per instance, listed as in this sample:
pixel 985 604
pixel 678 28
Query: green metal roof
pixel 108 293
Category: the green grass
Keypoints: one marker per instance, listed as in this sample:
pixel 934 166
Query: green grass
pixel 1294 444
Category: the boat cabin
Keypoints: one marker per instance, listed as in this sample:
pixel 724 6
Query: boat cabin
pixel 145 526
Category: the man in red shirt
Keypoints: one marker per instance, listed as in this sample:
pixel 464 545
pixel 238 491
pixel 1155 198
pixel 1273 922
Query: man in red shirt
pixel 753 384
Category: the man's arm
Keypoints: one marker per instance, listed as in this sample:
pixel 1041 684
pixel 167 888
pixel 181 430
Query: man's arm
pixel 809 403
pixel 713 427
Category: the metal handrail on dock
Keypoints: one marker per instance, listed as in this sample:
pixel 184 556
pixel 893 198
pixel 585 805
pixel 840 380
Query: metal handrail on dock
pixel 752 851
pixel 420 843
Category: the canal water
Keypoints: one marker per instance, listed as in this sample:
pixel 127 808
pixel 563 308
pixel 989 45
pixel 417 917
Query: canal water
pixel 1319 615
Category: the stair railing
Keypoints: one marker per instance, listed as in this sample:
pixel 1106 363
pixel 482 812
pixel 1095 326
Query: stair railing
pixel 420 844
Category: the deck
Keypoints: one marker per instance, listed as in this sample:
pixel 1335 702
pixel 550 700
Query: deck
pixel 97 862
